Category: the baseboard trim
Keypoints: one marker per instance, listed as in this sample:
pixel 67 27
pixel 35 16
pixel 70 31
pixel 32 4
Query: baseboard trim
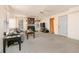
pixel 68 37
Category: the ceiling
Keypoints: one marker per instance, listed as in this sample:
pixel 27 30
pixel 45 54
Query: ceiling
pixel 39 10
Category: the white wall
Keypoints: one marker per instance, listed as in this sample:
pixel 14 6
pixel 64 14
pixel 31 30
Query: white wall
pixel 1 32
pixel 46 20
pixel 56 24
pixel 73 25
pixel 73 22
pixel 2 27
pixel 25 24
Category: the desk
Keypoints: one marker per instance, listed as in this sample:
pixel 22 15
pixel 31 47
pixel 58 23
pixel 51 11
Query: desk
pixel 6 40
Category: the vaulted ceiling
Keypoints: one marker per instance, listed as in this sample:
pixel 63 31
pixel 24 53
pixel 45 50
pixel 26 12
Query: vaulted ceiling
pixel 39 10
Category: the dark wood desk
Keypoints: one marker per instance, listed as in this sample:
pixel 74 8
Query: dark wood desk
pixel 7 39
pixel 30 33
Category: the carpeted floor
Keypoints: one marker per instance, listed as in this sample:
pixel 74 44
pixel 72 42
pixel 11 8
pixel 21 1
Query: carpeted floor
pixel 46 43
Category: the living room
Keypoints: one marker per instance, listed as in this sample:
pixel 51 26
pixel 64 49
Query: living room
pixel 38 18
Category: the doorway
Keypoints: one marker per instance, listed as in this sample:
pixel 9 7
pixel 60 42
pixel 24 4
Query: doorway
pixel 62 25
pixel 51 24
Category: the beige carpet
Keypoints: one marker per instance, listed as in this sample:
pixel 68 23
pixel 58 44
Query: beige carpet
pixel 46 43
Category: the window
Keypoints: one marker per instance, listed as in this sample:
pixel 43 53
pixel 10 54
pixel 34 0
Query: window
pixel 12 23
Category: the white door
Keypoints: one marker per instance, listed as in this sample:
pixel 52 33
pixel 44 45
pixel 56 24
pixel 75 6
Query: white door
pixel 62 25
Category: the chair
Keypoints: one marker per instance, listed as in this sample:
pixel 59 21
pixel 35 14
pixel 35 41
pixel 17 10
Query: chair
pixel 28 32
